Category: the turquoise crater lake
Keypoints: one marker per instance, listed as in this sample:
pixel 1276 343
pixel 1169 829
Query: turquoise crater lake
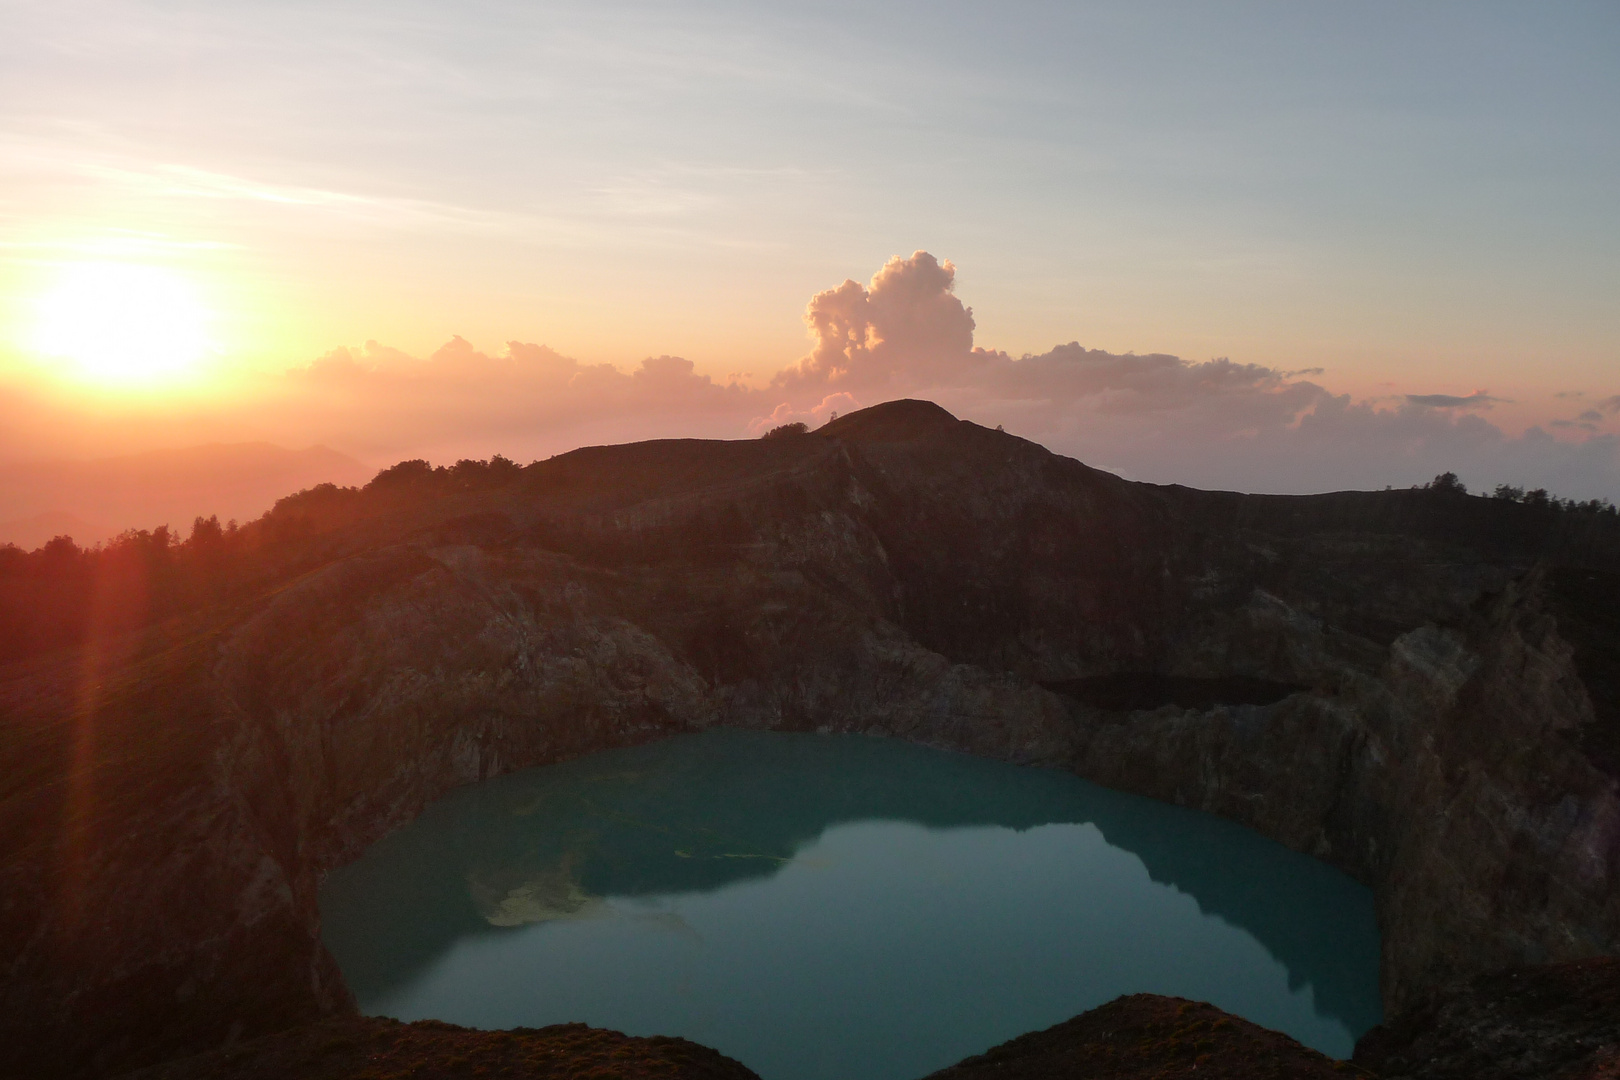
pixel 840 906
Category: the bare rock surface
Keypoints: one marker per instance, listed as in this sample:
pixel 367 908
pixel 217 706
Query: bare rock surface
pixel 1144 1035
pixel 1549 1022
pixel 1148 1035
pixel 1418 687
pixel 378 1049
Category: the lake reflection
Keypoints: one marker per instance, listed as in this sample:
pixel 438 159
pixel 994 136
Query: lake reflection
pixel 838 906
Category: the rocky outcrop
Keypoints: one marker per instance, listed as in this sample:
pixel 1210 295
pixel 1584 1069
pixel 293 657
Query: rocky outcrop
pixel 1550 1022
pixel 1444 774
pixel 1146 1035
pixel 1408 684
pixel 377 1049
pixel 1143 1035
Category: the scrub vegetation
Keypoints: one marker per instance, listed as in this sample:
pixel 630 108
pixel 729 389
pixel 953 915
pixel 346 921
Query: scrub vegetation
pixel 62 595
pixel 1447 483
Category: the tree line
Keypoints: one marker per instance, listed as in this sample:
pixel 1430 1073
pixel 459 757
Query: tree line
pixel 62 593
pixel 1539 498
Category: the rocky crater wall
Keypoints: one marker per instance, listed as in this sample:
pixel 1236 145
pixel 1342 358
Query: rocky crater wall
pixel 1436 722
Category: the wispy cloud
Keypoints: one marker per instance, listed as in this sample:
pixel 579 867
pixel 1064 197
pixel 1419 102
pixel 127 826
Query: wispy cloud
pixel 117 244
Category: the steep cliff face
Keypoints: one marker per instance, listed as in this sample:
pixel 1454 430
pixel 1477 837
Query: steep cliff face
pixel 1393 681
pixel 1445 775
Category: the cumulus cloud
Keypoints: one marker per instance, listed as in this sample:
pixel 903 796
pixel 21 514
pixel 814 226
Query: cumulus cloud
pixel 905 333
pixel 872 336
pixel 1212 423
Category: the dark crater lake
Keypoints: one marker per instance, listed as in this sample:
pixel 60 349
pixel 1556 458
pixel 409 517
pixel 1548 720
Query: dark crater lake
pixel 838 906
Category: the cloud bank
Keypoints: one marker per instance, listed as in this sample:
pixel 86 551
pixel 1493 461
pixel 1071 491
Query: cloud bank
pixel 1479 399
pixel 1214 423
pixel 905 333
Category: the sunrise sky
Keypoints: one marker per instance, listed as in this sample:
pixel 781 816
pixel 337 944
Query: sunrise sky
pixel 1347 244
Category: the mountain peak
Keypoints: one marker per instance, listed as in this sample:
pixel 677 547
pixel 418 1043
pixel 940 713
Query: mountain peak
pixel 904 420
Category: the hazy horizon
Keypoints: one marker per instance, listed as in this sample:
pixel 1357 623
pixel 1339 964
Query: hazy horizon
pixel 43 500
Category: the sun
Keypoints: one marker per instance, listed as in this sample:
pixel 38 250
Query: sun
pixel 122 323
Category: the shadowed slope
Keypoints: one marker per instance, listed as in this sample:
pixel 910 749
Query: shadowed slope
pixel 1146 1035
pixel 1553 1022
pixel 171 791
pixel 378 1049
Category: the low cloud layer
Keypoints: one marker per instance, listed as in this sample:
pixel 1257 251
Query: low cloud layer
pixel 1214 423
pixel 528 401
pixel 1479 399
pixel 905 333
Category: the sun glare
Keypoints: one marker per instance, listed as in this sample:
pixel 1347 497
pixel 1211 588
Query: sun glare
pixel 121 323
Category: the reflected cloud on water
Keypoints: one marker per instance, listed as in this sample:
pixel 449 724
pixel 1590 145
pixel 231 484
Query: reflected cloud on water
pixel 638 835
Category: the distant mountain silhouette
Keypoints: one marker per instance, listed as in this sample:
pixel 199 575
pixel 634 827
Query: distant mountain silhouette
pixel 91 500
